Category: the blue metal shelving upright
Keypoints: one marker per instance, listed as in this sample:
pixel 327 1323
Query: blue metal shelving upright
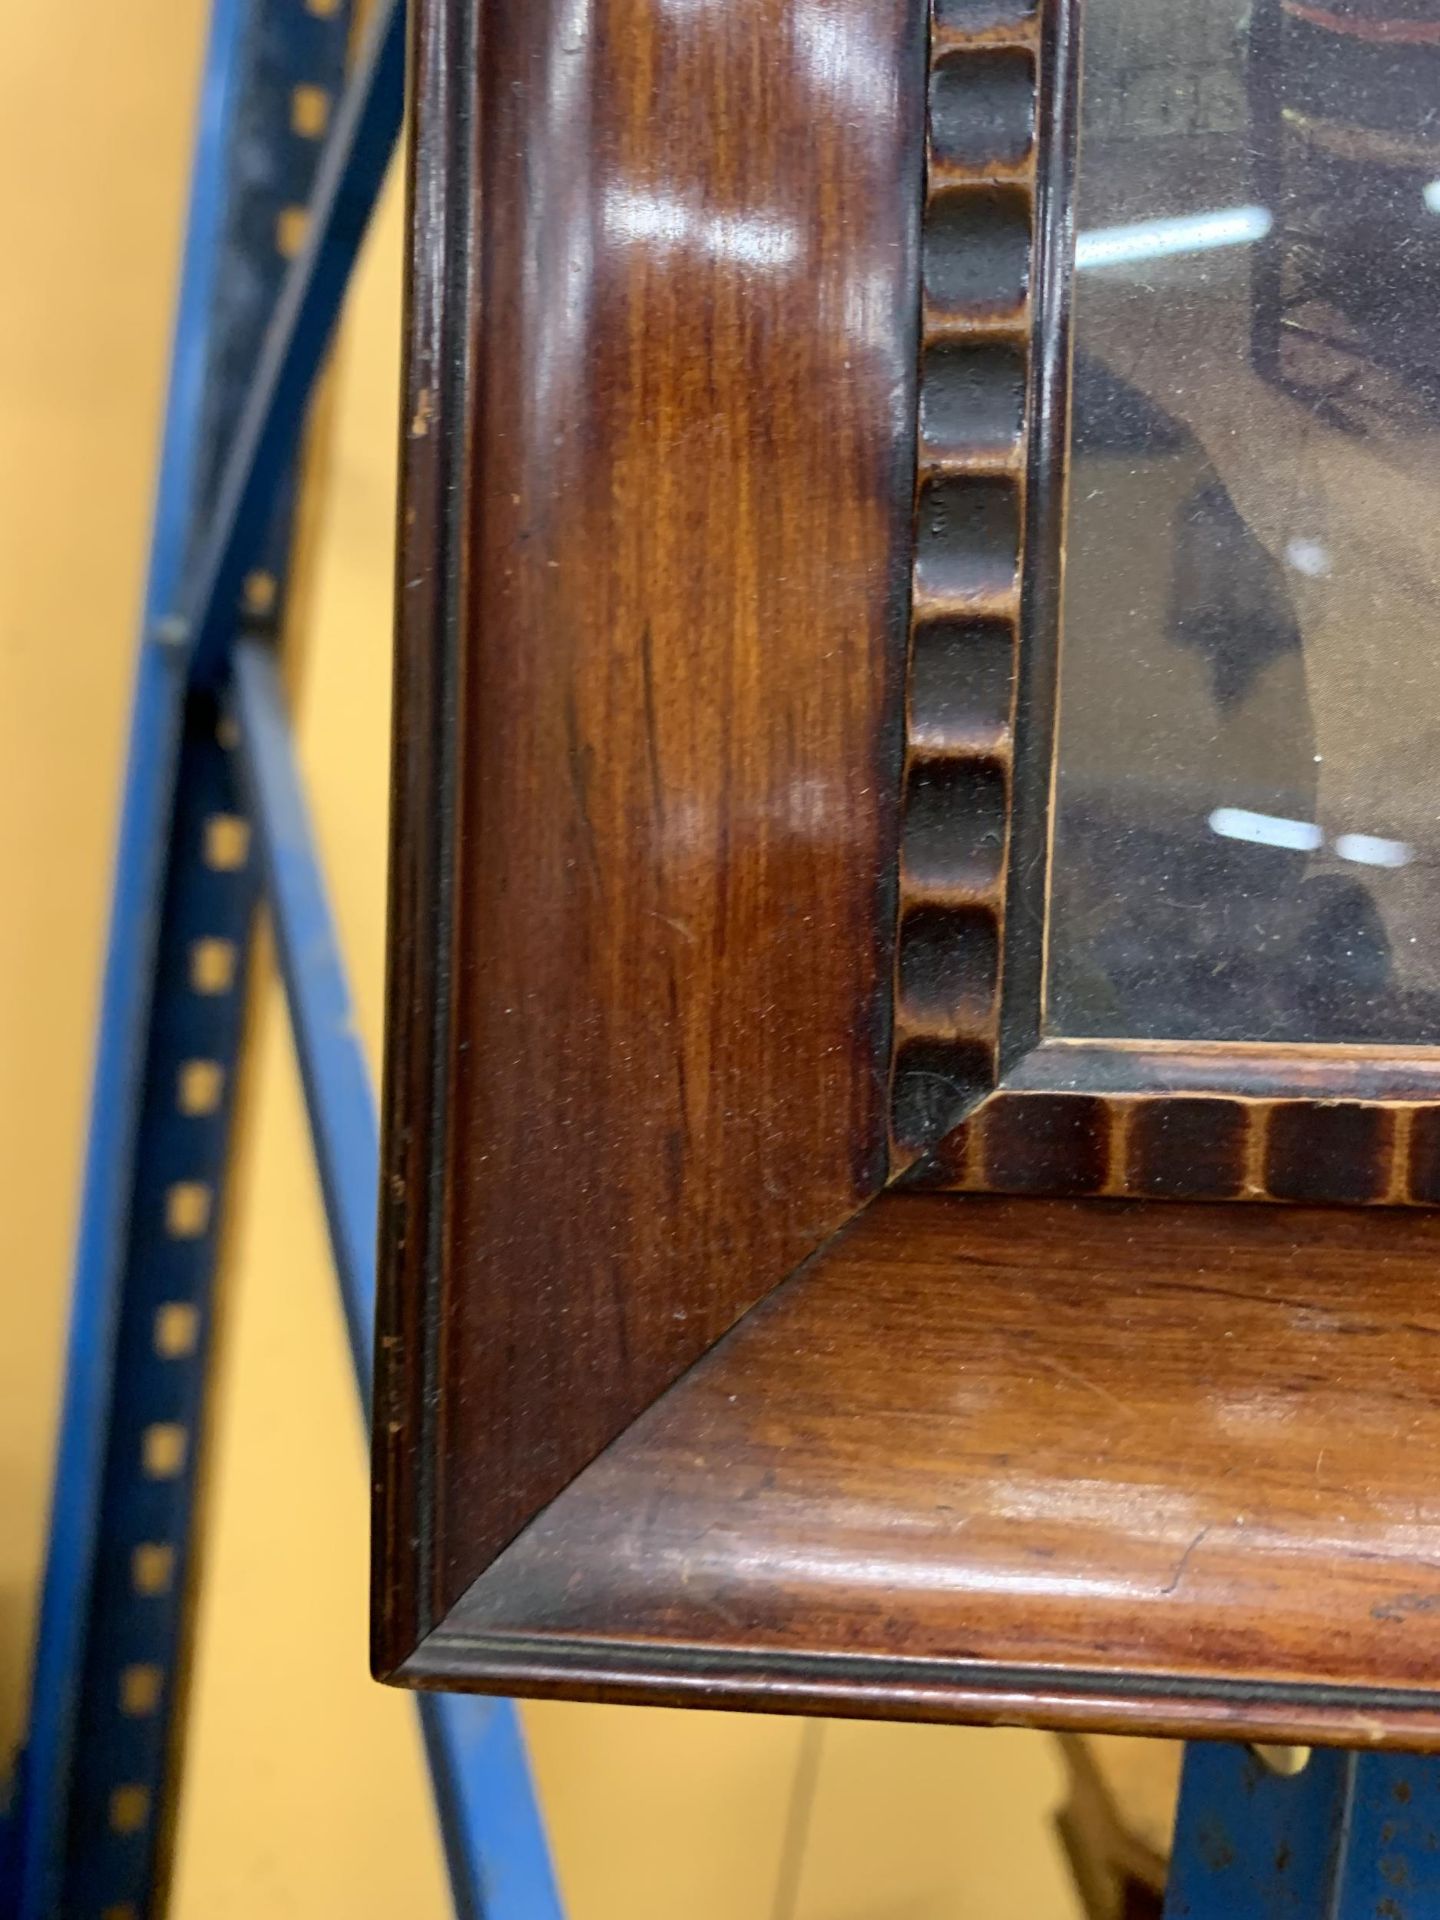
pixel 293 142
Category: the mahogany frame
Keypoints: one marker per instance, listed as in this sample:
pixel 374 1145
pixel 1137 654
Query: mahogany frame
pixel 983 1101
pixel 530 1377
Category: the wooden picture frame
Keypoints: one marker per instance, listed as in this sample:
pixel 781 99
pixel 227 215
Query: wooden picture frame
pixel 732 510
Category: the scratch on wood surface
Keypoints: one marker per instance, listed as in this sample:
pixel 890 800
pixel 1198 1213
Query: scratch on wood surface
pixel 1183 1563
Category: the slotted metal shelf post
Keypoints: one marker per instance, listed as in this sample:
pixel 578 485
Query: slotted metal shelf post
pixel 298 118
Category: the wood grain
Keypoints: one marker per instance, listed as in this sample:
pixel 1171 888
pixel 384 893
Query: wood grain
pixel 1137 1464
pixel 1356 1125
pixel 714 908
pixel 645 919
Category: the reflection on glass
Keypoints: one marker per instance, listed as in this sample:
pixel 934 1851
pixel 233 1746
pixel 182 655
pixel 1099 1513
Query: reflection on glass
pixel 1247 820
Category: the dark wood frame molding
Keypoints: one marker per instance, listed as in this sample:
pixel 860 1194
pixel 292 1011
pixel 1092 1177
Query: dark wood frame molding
pixel 566 1409
pixel 984 1101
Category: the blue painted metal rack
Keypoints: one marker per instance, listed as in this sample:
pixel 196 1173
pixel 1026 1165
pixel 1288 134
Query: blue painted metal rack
pixel 1354 1836
pixel 289 161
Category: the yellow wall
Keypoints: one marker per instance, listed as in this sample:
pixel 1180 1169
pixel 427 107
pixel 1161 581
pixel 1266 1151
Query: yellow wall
pixel 305 1789
pixel 93 139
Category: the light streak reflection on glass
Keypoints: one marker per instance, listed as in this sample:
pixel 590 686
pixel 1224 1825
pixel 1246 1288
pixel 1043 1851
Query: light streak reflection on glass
pixel 1371 850
pixel 1158 239
pixel 1304 836
pixel 1266 829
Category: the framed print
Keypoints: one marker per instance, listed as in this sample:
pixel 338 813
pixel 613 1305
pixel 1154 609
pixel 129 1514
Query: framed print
pixel 915 737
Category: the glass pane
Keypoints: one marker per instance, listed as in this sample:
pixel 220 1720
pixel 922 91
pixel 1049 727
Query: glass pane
pixel 1248 797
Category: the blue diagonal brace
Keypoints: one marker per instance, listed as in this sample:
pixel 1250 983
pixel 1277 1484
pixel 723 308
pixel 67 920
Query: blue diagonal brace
pixel 41 1794
pixel 494 1840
